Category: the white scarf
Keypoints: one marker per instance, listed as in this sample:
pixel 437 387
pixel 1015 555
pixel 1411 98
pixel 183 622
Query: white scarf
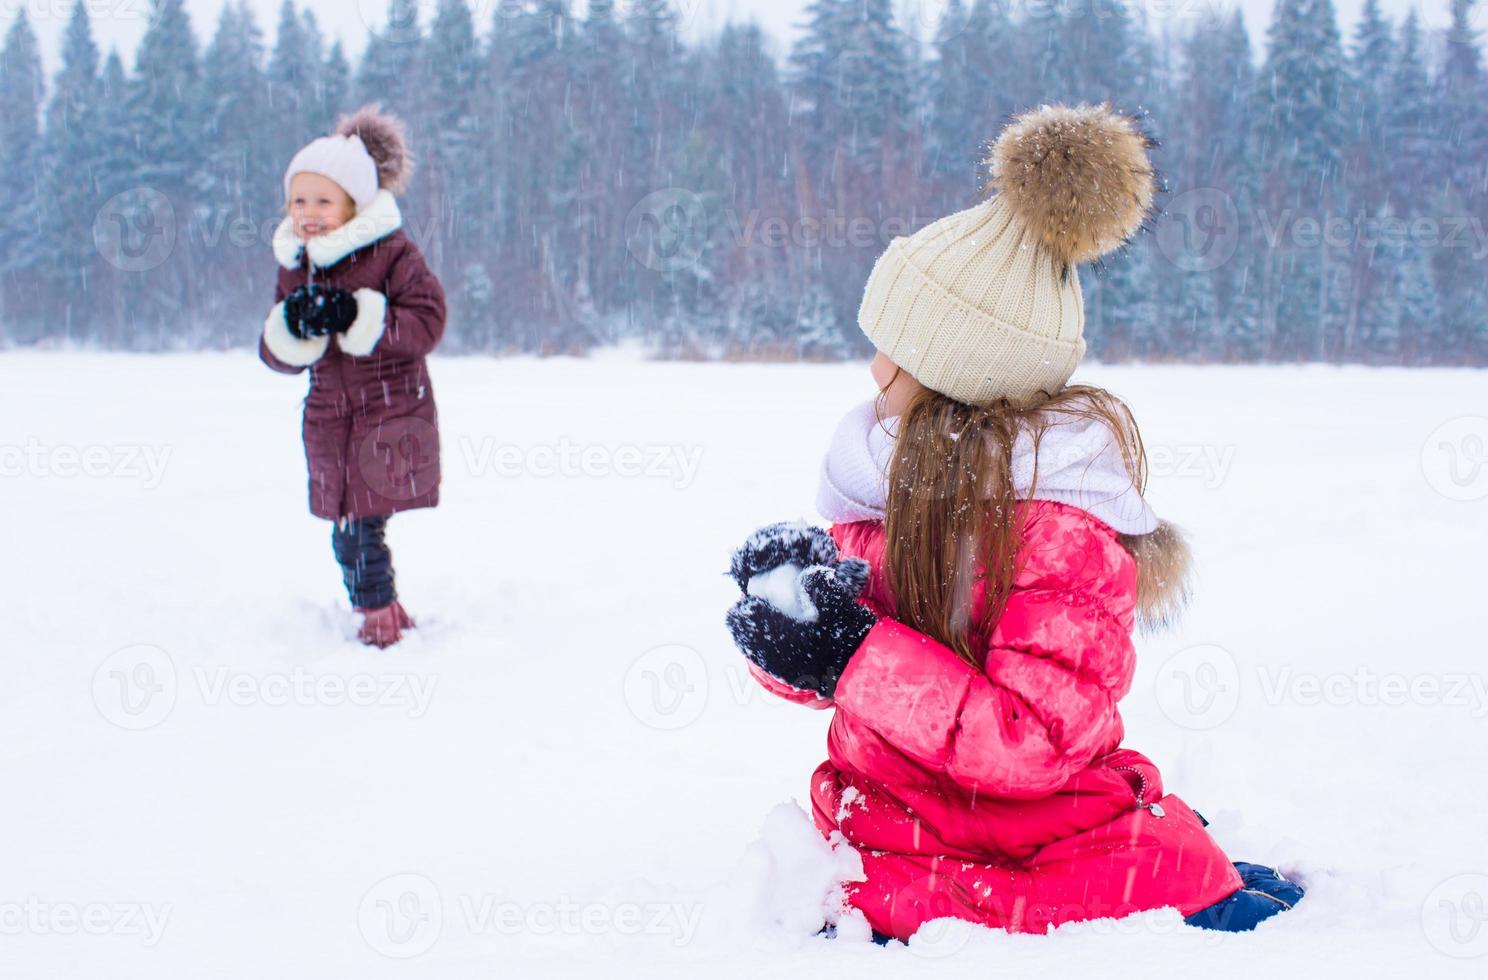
pixel 1079 463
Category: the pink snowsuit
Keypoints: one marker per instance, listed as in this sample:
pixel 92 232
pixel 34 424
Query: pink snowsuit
pixel 1003 796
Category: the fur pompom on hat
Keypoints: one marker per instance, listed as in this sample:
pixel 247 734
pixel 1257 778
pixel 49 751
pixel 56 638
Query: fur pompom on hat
pixel 367 152
pixel 1079 178
pixel 984 305
pixel 386 140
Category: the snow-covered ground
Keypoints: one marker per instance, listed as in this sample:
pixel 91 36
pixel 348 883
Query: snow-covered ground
pixel 565 770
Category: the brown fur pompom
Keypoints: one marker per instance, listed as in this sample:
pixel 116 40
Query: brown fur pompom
pixel 383 135
pixel 1079 177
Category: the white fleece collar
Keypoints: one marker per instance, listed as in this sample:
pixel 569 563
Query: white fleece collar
pixel 1079 464
pixel 377 220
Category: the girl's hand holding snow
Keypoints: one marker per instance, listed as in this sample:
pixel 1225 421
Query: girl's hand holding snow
pixel 809 645
pixel 785 543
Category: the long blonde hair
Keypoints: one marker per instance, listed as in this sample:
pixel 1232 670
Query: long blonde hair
pixel 951 514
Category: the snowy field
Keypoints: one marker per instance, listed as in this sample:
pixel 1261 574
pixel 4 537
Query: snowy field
pixel 566 772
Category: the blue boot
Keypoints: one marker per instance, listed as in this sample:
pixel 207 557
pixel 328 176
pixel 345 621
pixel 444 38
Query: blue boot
pixel 1263 893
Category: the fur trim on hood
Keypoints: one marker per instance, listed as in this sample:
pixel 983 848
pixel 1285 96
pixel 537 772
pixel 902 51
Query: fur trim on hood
pixel 373 223
pixel 1164 569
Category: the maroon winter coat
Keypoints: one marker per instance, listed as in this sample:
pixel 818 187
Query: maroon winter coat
pixel 370 428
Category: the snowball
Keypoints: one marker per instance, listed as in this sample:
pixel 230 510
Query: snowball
pixel 781 588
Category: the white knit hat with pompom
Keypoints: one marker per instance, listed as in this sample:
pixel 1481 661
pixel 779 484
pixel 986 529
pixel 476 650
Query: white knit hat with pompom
pixel 367 152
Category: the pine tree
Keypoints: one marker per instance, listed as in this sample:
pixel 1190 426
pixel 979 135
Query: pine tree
pixel 538 153
pixel 1461 208
pixel 166 109
pixel 1299 127
pixel 1408 120
pixel 393 65
pixel 874 83
pixel 815 122
pixel 856 146
pixel 1088 51
pixel 290 77
pixel 1212 184
pixel 114 290
pixel 241 185
pixel 659 115
pixel 451 138
pixel 741 147
pixel 328 75
pixel 22 86
pixel 114 139
pixel 1416 331
pixel 603 184
pixel 954 99
pixel 1459 103
pixel 1371 61
pixel 335 86
pixel 73 162
pixel 1363 199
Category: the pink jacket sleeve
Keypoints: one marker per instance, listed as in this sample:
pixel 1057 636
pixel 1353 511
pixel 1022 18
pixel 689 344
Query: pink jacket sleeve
pixel 1017 729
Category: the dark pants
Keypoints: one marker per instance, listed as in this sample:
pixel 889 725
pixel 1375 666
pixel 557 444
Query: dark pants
pixel 366 562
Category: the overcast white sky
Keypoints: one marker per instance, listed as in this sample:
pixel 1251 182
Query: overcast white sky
pixel 121 22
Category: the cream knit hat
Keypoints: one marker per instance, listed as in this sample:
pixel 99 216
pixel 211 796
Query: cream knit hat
pixel 985 304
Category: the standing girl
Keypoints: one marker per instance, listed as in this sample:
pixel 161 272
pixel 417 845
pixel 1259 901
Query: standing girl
pixel 357 305
pixel 969 614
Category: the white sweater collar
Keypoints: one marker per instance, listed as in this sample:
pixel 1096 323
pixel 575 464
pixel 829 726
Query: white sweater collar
pixel 377 220
pixel 1079 464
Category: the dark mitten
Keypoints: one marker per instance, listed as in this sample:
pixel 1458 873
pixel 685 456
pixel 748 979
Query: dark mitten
pixel 785 543
pixel 338 309
pixel 296 308
pixel 314 311
pixel 808 653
